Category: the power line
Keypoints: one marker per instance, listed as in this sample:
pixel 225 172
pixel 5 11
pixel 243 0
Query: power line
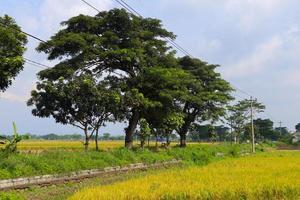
pixel 133 11
pixel 236 95
pixel 36 63
pixel 241 91
pixel 124 4
pixel 28 34
pixel 87 3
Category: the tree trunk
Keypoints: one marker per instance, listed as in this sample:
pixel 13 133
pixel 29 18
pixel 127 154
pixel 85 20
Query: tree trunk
pixel 156 141
pixel 96 139
pixel 183 140
pixel 129 131
pixel 183 133
pixel 168 142
pixel 142 143
pixel 86 143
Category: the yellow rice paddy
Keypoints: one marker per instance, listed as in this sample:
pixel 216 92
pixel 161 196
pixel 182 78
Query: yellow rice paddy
pixel 36 145
pixel 274 175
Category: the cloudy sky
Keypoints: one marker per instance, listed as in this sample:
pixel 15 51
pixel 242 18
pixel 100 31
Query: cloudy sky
pixel 256 42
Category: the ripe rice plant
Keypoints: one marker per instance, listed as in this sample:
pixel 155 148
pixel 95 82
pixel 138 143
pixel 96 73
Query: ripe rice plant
pixel 265 176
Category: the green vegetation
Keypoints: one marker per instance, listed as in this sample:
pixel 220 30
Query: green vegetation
pixel 10 196
pixel 11 144
pixel 53 162
pixel 12 47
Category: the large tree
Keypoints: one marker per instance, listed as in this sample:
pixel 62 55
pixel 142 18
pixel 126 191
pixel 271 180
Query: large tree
pixel 12 47
pixel 115 46
pixel 207 96
pixel 79 101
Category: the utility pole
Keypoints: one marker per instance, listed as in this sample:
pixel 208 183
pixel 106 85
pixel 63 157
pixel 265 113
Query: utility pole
pixel 252 126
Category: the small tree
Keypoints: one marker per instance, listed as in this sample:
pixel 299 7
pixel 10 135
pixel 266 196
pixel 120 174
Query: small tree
pixel 12 47
pixel 80 101
pixel 145 131
pixel 173 121
pixel 11 146
pixel 239 116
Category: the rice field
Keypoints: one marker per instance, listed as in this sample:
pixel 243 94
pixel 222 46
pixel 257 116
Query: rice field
pixel 273 175
pixel 40 145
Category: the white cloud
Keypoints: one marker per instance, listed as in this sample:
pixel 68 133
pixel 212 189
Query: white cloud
pixel 53 12
pixel 14 97
pixel 250 13
pixel 258 60
pixel 266 5
pixel 292 78
pixel 281 52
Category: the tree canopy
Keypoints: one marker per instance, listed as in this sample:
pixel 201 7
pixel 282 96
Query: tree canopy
pixel 207 96
pixel 12 48
pixel 80 101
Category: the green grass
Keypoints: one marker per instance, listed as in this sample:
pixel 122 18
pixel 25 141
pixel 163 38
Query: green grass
pixel 62 161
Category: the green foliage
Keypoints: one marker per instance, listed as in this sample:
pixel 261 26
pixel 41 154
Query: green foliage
pixel 297 127
pixel 238 116
pixel 12 47
pixel 6 196
pixel 11 146
pixel 264 130
pixel 204 133
pixel 207 96
pixel 145 131
pixel 80 101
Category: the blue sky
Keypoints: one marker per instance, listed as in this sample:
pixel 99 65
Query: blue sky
pixel 256 42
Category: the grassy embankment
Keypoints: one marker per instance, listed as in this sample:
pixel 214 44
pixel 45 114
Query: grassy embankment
pixel 62 161
pixel 272 175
